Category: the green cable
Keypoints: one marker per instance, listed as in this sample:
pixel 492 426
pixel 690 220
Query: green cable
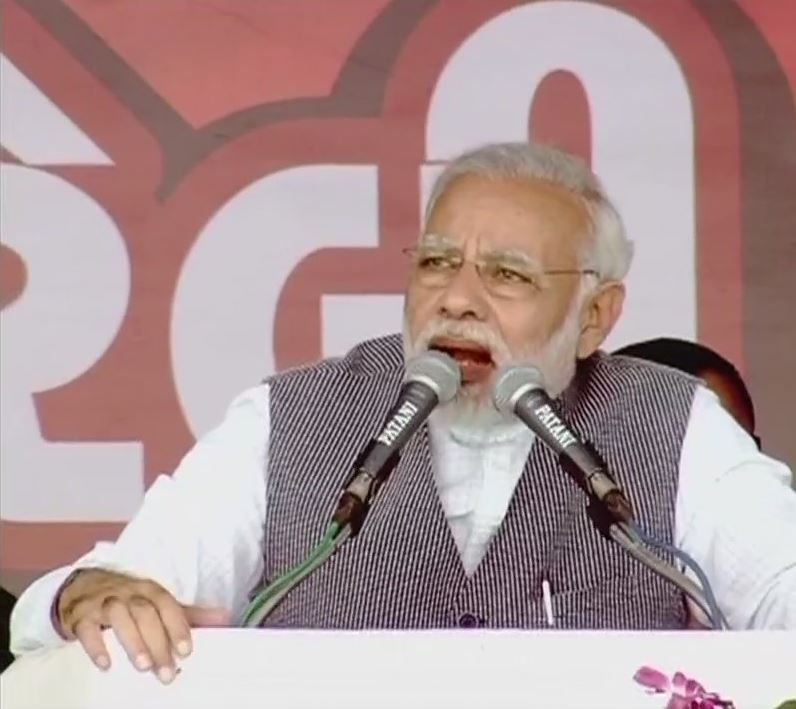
pixel 285 580
pixel 283 583
pixel 275 599
pixel 267 600
pixel 274 592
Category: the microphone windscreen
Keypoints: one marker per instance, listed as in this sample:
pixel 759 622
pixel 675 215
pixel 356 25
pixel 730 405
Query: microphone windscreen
pixel 513 381
pixel 436 370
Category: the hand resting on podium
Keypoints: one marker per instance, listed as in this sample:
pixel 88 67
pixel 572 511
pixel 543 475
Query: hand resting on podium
pixel 150 624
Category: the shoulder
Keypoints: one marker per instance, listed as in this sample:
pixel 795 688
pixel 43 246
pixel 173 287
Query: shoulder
pixel 379 356
pixel 640 374
pixel 626 387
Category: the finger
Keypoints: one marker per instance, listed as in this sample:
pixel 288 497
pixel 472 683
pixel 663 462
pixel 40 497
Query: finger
pixel 152 631
pixel 204 617
pixel 80 608
pixel 117 615
pixel 89 634
pixel 175 622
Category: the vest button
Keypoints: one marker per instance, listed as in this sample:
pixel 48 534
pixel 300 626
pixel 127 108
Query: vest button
pixel 468 620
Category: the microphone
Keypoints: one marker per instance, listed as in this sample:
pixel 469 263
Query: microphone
pixel 430 379
pixel 519 390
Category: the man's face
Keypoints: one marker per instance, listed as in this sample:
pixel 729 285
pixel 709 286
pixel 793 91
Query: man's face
pixel 478 290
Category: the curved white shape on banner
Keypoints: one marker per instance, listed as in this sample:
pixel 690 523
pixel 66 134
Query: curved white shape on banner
pixel 347 320
pixel 642 134
pixel 35 130
pixel 225 303
pixel 68 314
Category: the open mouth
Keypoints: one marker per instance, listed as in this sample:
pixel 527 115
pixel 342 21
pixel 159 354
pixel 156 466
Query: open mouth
pixel 474 360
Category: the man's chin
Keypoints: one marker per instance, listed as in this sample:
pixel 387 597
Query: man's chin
pixel 472 410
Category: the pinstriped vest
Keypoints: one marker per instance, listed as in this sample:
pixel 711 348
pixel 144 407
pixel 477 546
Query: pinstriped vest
pixel 403 570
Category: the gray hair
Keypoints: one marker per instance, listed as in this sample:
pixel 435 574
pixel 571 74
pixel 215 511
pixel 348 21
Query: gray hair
pixel 610 253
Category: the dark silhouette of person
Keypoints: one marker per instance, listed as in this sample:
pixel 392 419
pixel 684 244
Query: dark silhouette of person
pixel 6 604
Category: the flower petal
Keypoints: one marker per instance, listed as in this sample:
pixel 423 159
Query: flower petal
pixel 652 678
pixel 693 688
pixel 678 680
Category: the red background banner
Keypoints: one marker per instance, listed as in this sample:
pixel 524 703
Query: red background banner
pixel 232 180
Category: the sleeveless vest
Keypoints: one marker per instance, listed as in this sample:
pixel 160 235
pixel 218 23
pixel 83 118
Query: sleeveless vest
pixel 403 569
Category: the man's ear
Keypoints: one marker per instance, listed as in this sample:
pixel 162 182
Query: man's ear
pixel 599 315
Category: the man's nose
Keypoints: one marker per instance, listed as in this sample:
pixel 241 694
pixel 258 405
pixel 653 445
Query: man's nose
pixel 464 297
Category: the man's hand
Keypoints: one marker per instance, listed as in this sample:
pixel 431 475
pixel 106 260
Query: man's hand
pixel 148 621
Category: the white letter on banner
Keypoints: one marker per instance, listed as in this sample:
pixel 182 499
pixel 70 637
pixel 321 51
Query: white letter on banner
pixel 225 304
pixel 642 134
pixel 69 313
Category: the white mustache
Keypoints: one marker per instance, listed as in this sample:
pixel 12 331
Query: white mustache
pixel 463 330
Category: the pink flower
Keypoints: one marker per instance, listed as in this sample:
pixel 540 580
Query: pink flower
pixel 683 693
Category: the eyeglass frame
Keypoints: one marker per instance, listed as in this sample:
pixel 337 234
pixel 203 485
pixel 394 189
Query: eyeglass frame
pixel 413 251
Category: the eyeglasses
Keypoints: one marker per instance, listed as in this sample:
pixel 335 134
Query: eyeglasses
pixel 502 276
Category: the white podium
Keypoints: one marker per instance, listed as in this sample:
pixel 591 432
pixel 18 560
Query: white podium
pixel 378 670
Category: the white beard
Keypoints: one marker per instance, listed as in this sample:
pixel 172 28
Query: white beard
pixel 471 415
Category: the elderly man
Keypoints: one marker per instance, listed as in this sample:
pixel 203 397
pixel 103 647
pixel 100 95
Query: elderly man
pixel 521 259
